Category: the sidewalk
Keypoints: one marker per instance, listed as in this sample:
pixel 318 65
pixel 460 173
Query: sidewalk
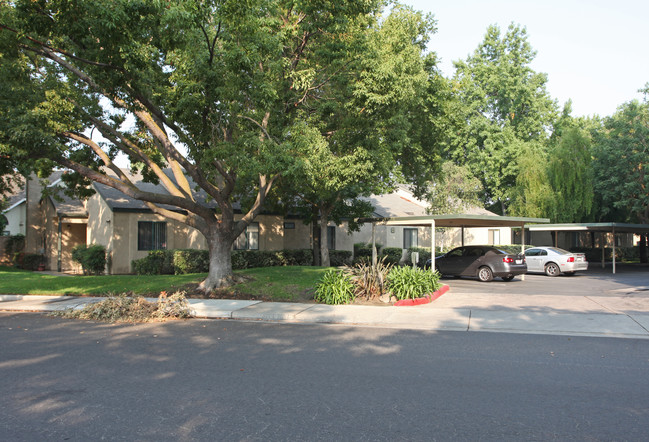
pixel 566 315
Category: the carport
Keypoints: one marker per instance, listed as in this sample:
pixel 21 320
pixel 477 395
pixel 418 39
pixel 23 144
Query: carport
pixel 603 228
pixel 462 221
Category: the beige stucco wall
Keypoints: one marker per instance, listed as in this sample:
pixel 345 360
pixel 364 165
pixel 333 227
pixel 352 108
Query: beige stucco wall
pixel 344 239
pixel 298 237
pixel 123 248
pixel 100 226
pixel 73 233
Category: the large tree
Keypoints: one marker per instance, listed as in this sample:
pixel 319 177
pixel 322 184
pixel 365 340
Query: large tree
pixel 621 164
pixel 214 91
pixel 376 132
pixel 504 105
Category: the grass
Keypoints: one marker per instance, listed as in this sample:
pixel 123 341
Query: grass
pixel 270 283
pixel 293 283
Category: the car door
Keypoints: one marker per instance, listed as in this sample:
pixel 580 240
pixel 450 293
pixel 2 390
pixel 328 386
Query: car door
pixel 534 261
pixel 451 262
pixel 471 260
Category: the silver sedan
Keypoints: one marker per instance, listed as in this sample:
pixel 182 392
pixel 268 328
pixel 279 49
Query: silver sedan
pixel 553 261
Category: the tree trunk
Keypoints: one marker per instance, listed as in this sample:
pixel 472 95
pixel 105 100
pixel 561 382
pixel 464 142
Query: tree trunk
pixel 324 249
pixel 316 237
pixel 220 272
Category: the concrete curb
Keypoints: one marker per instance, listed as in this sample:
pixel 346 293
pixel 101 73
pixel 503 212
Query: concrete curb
pixel 423 300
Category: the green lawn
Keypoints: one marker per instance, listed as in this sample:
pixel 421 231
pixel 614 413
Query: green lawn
pixel 276 283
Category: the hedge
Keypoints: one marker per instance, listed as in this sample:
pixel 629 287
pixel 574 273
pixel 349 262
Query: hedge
pixel 92 258
pixel 181 261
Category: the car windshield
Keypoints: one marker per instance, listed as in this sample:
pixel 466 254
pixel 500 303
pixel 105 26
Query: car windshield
pixel 559 251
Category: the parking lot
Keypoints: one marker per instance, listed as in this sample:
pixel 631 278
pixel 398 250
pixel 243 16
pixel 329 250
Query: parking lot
pixel 595 290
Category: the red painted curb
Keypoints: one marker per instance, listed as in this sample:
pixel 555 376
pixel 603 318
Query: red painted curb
pixel 425 299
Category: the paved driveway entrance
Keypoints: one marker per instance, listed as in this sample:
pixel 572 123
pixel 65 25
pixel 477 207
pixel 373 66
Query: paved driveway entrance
pixel 593 291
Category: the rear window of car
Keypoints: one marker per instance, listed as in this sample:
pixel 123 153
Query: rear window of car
pixel 559 251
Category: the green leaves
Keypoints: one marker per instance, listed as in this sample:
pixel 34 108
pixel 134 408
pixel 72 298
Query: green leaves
pixel 621 155
pixel 504 105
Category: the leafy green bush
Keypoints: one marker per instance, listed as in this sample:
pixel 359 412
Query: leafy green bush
pixel 411 283
pixel 92 258
pixel 392 254
pixel 339 258
pixel 621 253
pixel 246 259
pixel 191 261
pixel 157 262
pixel 32 261
pixel 335 287
pixel 298 257
pixel 363 252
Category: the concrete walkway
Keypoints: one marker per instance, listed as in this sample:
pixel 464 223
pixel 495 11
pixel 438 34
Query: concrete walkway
pixel 624 314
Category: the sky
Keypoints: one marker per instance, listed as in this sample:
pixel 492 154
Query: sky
pixel 594 52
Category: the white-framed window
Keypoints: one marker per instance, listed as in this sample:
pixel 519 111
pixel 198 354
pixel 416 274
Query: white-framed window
pixel 151 235
pixel 494 236
pixel 410 238
pixel 249 239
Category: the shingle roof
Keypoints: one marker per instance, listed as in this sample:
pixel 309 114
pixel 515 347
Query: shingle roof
pixel 403 203
pixel 117 201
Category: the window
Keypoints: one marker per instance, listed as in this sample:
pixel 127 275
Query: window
pixel 249 239
pixel 289 225
pixel 410 238
pixel 494 236
pixel 331 237
pixel 151 235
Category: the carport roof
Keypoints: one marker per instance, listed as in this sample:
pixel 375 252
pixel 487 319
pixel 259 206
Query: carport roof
pixel 592 227
pixel 458 220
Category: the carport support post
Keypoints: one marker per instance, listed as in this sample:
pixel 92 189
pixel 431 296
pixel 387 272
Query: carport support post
pixel 523 246
pixel 432 245
pixel 603 249
pixel 374 244
pixel 614 250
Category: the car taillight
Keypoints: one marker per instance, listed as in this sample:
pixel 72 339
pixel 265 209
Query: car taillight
pixel 571 259
pixel 508 259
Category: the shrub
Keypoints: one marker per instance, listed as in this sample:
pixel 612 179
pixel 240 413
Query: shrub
pixel 299 257
pixel 369 281
pixel 92 258
pixel 411 283
pixel 191 261
pixel 157 262
pixel 32 261
pixel 392 254
pixel 335 287
pixel 245 259
pixel 363 252
pixel 14 249
pixel 339 258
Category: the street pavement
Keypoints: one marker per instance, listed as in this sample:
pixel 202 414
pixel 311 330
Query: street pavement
pixel 592 304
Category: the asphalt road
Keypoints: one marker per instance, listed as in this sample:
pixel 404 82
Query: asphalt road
pixel 229 380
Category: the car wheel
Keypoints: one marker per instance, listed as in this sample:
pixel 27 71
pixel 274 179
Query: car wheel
pixel 551 269
pixel 485 274
pixel 507 278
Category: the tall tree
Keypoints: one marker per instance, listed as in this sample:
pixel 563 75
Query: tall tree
pixel 621 169
pixel 218 91
pixel 454 190
pixel 505 105
pixel 373 134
